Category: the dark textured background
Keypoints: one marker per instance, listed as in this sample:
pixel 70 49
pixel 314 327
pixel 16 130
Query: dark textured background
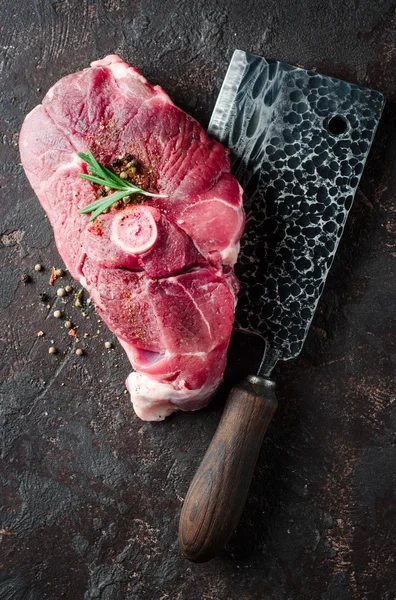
pixel 91 495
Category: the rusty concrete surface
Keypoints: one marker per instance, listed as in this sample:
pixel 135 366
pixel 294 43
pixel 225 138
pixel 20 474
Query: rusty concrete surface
pixel 90 495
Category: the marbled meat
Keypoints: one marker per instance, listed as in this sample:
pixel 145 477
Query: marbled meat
pixel 160 271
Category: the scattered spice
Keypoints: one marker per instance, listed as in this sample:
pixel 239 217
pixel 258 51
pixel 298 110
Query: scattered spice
pixel 79 302
pixel 57 314
pixel 37 267
pixel 59 272
pixel 116 186
pixel 72 332
pixel 44 297
pixel 95 229
pixel 61 292
pixel 108 345
pixel 53 276
pixel 40 334
pixel 79 352
pixel 25 278
pixel 68 289
pixel 68 324
pixel 52 350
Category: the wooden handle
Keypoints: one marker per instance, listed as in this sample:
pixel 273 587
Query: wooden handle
pixel 217 494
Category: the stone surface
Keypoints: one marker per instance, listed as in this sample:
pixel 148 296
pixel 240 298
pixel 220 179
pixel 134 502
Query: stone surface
pixel 90 495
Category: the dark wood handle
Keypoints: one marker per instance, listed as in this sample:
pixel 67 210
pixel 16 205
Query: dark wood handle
pixel 217 494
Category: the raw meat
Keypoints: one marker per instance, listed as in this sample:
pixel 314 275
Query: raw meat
pixel 159 272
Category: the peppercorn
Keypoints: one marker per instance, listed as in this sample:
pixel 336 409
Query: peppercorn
pixel 68 289
pixel 44 297
pixel 128 157
pixel 116 162
pixel 59 272
pixel 100 193
pixel 108 345
pixel 79 352
pixel 124 175
pixel 52 350
pixel 57 314
pixel 37 267
pixel 25 278
pixel 68 324
pixel 61 292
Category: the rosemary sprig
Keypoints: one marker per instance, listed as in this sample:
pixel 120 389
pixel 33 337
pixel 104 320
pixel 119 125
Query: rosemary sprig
pixel 103 176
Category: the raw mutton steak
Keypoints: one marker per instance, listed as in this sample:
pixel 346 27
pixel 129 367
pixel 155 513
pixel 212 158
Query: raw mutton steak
pixel 160 272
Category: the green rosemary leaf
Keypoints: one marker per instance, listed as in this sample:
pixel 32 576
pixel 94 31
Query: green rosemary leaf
pixel 84 157
pixel 113 177
pixel 108 202
pixel 103 201
pixel 103 176
pixel 92 206
pixel 99 206
pixel 105 172
pixel 98 212
pixel 100 181
pixel 93 165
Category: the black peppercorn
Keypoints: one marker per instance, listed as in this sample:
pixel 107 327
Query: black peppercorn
pixel 116 162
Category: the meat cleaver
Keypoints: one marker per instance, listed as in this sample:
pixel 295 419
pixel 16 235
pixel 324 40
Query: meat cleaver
pixel 298 143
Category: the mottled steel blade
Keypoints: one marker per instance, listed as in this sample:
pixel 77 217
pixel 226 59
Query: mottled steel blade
pixel 298 143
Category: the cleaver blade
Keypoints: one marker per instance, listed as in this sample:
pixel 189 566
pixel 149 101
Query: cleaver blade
pixel 298 144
